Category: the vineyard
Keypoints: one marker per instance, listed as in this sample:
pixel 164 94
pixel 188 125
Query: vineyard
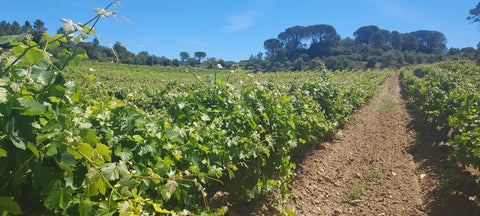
pixel 79 137
pixel 449 94
pixel 108 139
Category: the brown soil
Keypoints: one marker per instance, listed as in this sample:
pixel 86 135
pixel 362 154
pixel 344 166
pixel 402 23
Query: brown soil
pixel 391 155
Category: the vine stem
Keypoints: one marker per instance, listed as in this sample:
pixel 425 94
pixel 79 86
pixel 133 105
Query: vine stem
pixel 96 18
pixel 24 165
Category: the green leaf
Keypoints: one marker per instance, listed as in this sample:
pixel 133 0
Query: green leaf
pixel 82 148
pixel 33 108
pixel 9 38
pixel 126 185
pixel 3 95
pixel 54 99
pixel 137 138
pixel 101 154
pixel 59 197
pixel 289 212
pixel 68 160
pixel 104 151
pixel 128 182
pixel 94 183
pixel 108 170
pixel 9 206
pixel 124 208
pixel 14 137
pixel 61 37
pixel 170 189
pixel 3 153
pixel 18 50
pixel 89 136
pixel 75 97
pixel 124 153
pixel 160 210
pixel 85 206
pixel 106 209
pixel 40 73
pixel 35 55
pixel 33 148
pixel 52 45
pixel 46 37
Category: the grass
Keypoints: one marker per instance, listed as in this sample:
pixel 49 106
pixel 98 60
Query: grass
pixel 386 106
pixel 354 191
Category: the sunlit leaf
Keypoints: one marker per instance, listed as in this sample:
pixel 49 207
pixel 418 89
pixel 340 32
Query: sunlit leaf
pixel 35 55
pixel 9 206
pixel 94 183
pixel 3 153
pixel 3 95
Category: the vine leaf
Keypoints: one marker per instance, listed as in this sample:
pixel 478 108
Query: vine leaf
pixel 101 154
pixel 14 136
pixel 94 183
pixel 3 153
pixel 9 38
pixel 3 95
pixel 59 197
pixel 9 206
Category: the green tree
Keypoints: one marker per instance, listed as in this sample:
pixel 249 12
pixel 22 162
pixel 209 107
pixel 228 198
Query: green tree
pixel 378 39
pixel 292 37
pixel 184 56
pixel 15 29
pixel 298 64
pixel 396 40
pixel 474 14
pixel 409 42
pixel 200 55
pixel 4 28
pixel 272 46
pixel 324 38
pixel 363 34
pixel 26 27
pixel 123 54
pixel 430 41
pixel 143 53
pixel 96 42
pixel 39 25
pixel 322 32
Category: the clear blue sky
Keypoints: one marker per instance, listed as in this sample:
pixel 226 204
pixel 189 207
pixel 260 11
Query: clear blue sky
pixel 233 30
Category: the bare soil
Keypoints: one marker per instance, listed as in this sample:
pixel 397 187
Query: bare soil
pixel 387 161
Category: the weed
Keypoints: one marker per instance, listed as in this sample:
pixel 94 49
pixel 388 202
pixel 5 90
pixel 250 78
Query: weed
pixel 355 191
pixel 386 106
pixel 372 175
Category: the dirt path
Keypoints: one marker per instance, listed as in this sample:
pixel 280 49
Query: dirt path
pixel 367 170
pixel 385 162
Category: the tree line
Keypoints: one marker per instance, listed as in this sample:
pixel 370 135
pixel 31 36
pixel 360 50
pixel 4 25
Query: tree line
pixel 309 47
pixel 296 48
pixel 116 53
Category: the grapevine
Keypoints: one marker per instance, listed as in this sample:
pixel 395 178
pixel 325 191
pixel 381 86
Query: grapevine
pixel 97 147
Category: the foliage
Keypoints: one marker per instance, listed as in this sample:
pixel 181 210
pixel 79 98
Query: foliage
pixel 372 43
pixel 474 14
pixel 110 146
pixel 448 92
pixel 83 150
pixel 200 55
